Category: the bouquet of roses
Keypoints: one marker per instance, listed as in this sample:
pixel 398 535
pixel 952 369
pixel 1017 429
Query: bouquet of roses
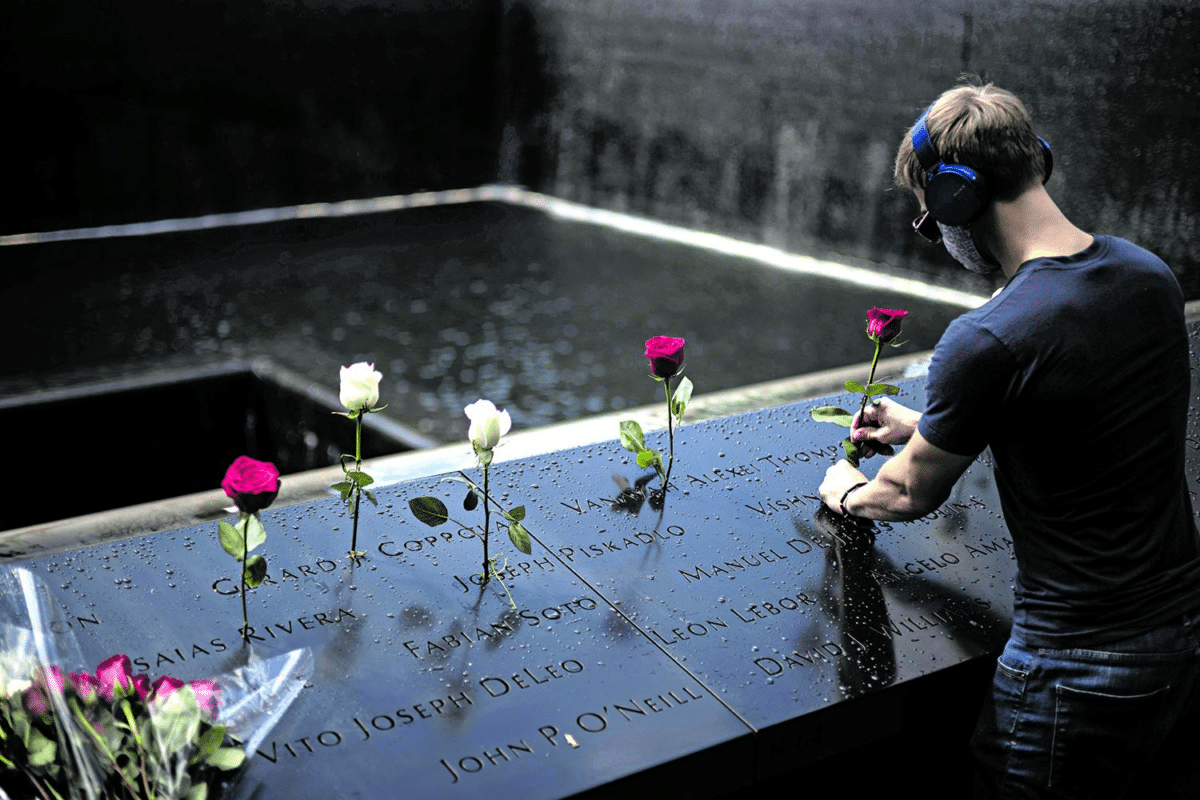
pixel 113 734
pixel 152 740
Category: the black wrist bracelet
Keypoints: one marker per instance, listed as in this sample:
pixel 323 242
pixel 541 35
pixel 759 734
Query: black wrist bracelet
pixel 847 494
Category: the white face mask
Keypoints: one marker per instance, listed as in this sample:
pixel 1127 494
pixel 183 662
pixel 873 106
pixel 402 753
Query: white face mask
pixel 960 244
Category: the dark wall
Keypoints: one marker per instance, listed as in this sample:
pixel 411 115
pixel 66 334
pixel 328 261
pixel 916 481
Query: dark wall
pixel 775 120
pixel 779 119
pixel 132 110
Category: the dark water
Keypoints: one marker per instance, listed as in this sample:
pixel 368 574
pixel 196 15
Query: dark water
pixel 545 317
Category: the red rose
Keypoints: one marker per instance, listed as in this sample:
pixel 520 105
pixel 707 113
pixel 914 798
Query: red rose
pixel 665 354
pixel 251 484
pixel 883 324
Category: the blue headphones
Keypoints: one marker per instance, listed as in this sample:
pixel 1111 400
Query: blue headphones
pixel 955 194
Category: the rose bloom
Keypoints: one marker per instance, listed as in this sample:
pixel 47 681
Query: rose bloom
pixel 46 681
pixel 883 324
pixel 208 695
pixel 665 354
pixel 360 387
pixel 85 684
pixel 487 424
pixel 251 484
pixel 165 686
pixel 37 702
pixel 115 671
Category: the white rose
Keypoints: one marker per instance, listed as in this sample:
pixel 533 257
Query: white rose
pixel 360 387
pixel 487 424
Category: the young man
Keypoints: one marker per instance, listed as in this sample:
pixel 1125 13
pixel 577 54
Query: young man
pixel 1076 375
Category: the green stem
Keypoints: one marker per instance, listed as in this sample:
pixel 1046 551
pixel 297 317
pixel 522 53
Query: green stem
pixel 670 435
pixel 871 378
pixel 487 572
pixel 100 744
pixel 41 790
pixel 137 740
pixel 245 555
pixel 357 488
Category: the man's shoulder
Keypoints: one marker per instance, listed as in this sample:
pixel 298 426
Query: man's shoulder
pixel 1046 291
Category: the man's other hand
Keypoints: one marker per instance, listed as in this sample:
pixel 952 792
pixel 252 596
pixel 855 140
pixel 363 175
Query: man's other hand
pixel 887 422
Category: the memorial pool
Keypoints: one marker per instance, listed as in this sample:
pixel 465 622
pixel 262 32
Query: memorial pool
pixel 539 306
pixel 543 315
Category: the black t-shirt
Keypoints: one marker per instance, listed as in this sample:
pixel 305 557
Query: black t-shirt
pixel 1077 376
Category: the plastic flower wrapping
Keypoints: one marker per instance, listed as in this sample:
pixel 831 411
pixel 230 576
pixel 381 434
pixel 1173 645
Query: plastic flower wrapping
pixel 85 732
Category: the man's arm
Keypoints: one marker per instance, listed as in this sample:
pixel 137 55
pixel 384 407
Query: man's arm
pixel 908 486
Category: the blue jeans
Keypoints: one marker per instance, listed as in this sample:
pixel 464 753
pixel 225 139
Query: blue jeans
pixel 1094 724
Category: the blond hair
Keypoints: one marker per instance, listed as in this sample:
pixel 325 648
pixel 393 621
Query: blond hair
pixel 982 127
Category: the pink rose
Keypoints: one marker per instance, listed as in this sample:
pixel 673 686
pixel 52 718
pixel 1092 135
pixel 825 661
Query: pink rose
pixel 86 685
pixel 115 671
pixel 208 695
pixel 50 677
pixel 37 702
pixel 46 681
pixel 142 684
pixel 665 354
pixel 251 484
pixel 164 687
pixel 883 324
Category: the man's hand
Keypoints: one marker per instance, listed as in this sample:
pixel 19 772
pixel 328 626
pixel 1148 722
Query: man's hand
pixel 885 423
pixel 838 478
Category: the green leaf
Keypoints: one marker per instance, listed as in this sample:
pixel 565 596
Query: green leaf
pixel 256 534
pixel 209 742
pixel 647 458
pixel 632 438
pixel 255 571
pixel 854 386
pixel 429 510
pixel 198 791
pixel 359 478
pixel 227 758
pixel 367 493
pixel 231 539
pixel 520 537
pixel 516 515
pixel 683 393
pixel 471 501
pixel 838 416
pixel 882 388
pixel 344 487
pixel 42 751
pixel 851 450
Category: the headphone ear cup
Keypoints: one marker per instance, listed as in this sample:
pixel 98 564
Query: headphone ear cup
pixel 955 195
pixel 1047 160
